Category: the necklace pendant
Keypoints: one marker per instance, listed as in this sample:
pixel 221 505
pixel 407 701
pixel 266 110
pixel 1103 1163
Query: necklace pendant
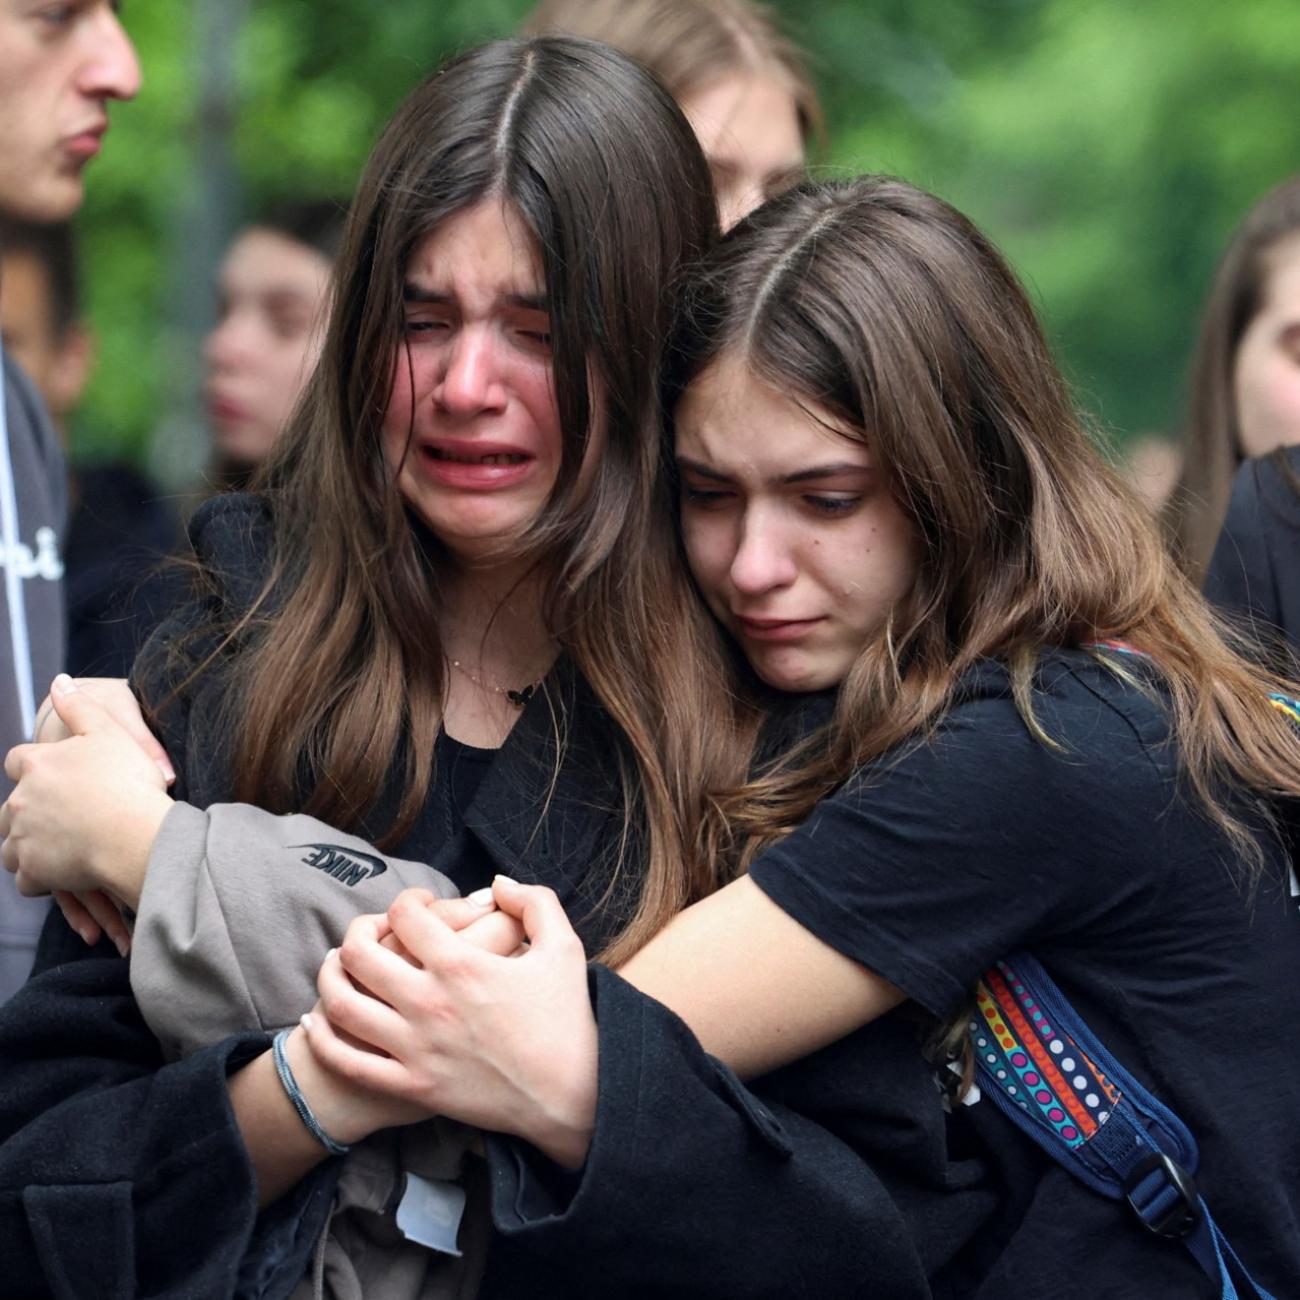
pixel 520 698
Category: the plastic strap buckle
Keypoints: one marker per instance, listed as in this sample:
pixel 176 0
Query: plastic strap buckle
pixel 1163 1196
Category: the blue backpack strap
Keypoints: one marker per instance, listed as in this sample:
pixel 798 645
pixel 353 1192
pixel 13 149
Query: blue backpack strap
pixel 1040 1064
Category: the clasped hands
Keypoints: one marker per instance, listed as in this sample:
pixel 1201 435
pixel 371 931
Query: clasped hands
pixel 423 1007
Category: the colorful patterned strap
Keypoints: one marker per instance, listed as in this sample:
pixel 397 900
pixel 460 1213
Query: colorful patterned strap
pixel 1038 1067
pixel 1040 1064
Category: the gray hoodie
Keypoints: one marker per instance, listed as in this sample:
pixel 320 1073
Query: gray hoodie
pixel 33 505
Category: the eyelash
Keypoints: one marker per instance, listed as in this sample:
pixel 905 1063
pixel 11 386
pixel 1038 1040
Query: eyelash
pixel 823 505
pixel 58 15
pixel 702 497
pixel 542 338
pixel 833 505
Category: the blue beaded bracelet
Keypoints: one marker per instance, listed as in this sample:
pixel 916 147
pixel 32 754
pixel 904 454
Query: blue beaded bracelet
pixel 294 1093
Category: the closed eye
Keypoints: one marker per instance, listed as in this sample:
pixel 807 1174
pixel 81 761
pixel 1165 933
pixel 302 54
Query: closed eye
pixel 833 505
pixel 423 325
pixel 704 498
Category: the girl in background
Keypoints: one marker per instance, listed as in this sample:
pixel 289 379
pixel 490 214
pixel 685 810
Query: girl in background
pixel 272 294
pixel 742 83
pixel 1244 389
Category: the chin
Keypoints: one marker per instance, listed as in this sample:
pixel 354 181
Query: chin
pixel 797 676
pixel 47 204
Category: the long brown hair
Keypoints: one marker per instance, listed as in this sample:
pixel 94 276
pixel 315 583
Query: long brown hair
pixel 338 681
pixel 1212 438
pixel 689 44
pixel 882 305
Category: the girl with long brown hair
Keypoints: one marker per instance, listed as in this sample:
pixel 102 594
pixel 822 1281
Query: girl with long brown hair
pixel 1034 737
pixel 453 621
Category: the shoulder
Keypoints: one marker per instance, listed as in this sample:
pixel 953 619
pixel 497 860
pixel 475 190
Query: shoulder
pixel 233 537
pixel 1095 736
pixel 992 831
pixel 1098 705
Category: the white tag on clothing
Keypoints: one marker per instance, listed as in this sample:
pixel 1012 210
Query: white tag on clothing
pixel 430 1212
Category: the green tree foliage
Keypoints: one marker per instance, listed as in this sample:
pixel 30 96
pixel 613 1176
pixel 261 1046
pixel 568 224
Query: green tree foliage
pixel 1110 148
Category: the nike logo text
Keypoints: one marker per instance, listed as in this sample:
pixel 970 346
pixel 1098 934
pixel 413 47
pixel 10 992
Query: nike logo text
pixel 346 865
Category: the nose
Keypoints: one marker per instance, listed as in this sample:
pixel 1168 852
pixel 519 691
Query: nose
pixel 111 69
pixel 230 343
pixel 764 560
pixel 471 380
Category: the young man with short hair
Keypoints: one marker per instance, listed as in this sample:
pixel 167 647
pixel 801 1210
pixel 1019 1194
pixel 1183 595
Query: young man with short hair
pixel 60 65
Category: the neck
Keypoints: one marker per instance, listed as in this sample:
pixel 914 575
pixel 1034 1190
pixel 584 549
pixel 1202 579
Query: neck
pixel 493 622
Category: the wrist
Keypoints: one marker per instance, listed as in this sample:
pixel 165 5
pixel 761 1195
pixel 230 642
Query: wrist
pixel 123 854
pixel 339 1107
pixel 564 1129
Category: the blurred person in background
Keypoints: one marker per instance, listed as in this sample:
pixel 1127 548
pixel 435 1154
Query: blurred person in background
pixel 59 67
pixel 1254 572
pixel 120 529
pixel 1244 388
pixel 742 83
pixel 272 292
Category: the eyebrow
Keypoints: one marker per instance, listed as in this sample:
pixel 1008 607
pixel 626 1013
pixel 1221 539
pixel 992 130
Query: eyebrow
pixel 813 473
pixel 415 293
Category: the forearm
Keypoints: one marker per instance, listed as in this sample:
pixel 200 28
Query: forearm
pixel 280 1148
pixel 757 989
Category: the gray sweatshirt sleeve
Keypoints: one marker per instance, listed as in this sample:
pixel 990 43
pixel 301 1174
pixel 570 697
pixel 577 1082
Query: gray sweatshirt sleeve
pixel 238 909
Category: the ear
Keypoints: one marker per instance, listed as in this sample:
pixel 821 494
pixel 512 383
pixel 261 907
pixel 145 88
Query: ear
pixel 71 369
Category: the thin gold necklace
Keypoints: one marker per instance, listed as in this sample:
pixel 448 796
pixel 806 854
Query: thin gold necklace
pixel 516 697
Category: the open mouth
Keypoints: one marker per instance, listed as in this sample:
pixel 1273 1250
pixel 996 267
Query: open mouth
pixel 460 458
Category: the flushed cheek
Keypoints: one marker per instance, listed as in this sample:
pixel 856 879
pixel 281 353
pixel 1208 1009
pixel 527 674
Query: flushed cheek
pixel 397 417
pixel 1268 401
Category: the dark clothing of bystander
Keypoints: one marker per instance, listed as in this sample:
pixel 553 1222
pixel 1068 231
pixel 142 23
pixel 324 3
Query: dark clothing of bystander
pixel 32 639
pixel 120 584
pixel 1254 573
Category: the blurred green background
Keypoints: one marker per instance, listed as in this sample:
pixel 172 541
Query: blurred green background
pixel 1109 147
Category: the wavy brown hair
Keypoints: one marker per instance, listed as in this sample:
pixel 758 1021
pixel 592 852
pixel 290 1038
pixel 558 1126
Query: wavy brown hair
pixel 338 677
pixel 883 306
pixel 1212 448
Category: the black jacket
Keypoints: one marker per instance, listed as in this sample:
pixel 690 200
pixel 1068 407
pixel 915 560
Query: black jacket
pixel 121 1175
pixel 1254 573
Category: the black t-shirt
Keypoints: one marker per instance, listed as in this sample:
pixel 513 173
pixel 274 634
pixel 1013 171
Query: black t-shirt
pixel 982 840
pixel 458 771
